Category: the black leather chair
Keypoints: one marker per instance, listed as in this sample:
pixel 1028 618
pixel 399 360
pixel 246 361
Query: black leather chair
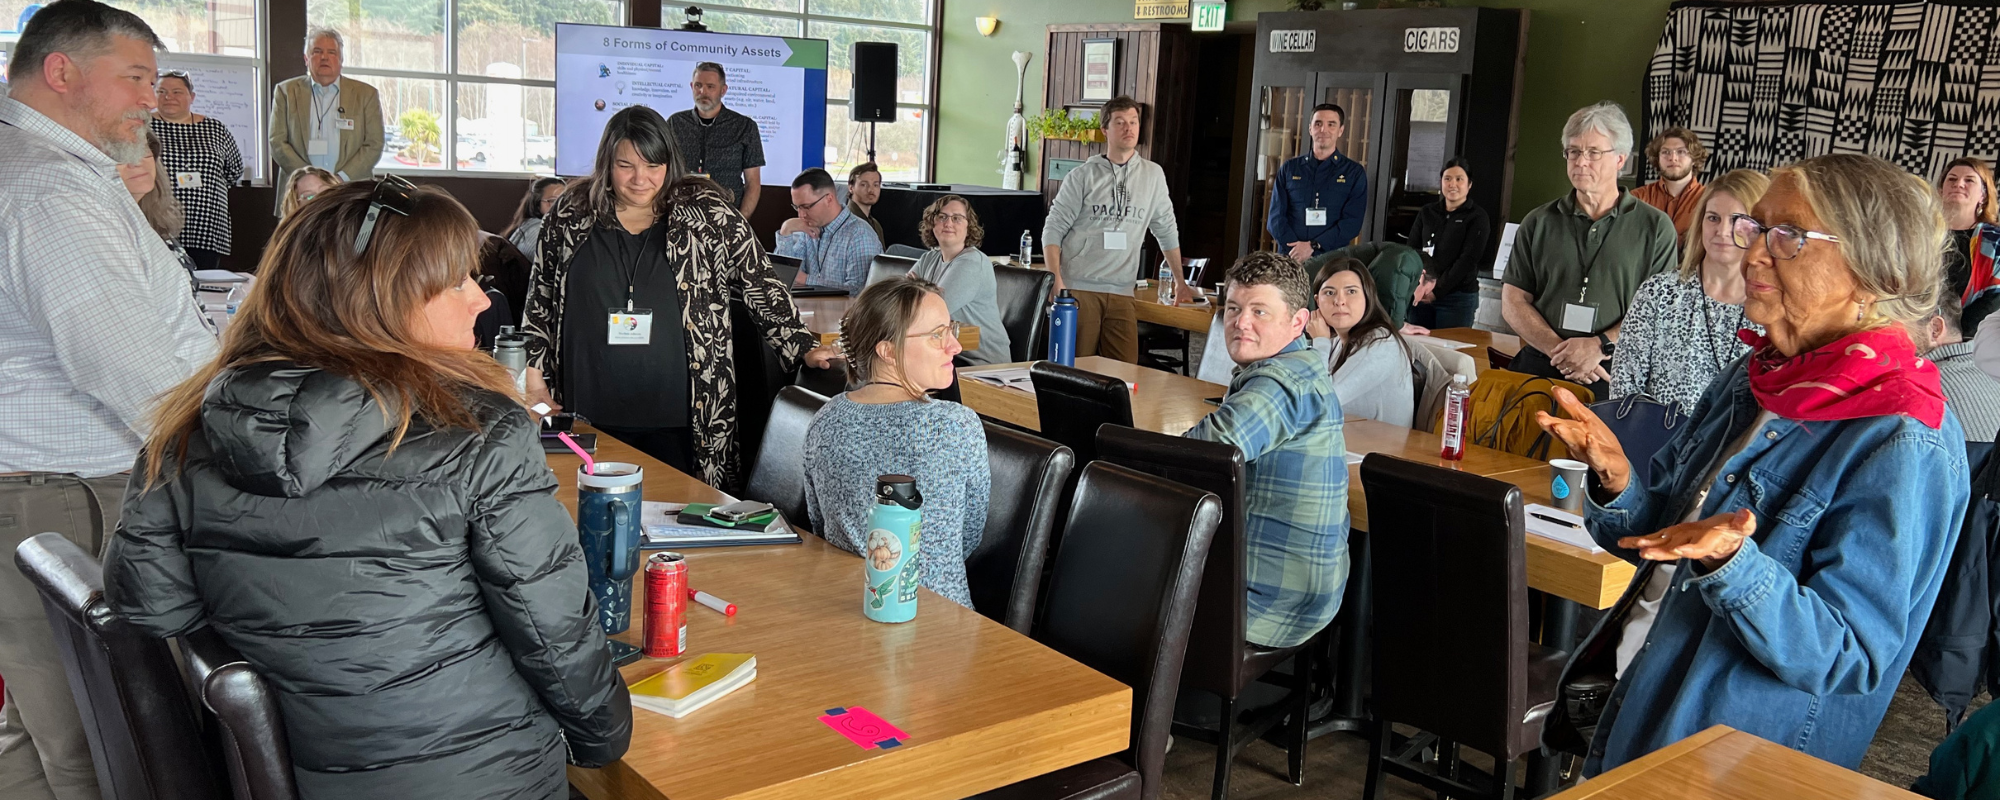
pixel 1219 659
pixel 759 375
pixel 1005 572
pixel 143 737
pixel 779 476
pixel 1024 309
pixel 886 266
pixel 904 251
pixel 1073 403
pixel 1121 600
pixel 1452 652
pixel 244 711
pixel 1154 337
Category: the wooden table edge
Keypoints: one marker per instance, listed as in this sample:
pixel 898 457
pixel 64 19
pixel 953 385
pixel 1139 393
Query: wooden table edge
pixel 1646 763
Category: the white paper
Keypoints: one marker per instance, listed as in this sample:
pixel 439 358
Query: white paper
pixel 1574 537
pixel 1355 458
pixel 1010 378
pixel 220 276
pixel 654 512
pixel 1438 341
pixel 1506 249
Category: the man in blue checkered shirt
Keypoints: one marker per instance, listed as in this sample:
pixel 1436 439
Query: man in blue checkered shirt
pixel 1282 413
pixel 836 246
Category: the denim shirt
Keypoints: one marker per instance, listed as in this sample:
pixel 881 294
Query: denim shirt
pixel 1802 636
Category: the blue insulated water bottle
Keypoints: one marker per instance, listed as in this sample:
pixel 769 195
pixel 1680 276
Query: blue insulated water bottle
pixel 891 551
pixel 1062 329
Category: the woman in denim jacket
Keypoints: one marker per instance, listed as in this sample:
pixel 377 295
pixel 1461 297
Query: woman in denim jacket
pixel 1796 529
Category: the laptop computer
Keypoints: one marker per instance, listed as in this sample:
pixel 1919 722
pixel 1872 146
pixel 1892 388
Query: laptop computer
pixel 788 268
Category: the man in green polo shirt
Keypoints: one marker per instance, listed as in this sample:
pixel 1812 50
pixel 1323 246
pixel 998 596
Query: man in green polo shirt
pixel 1577 261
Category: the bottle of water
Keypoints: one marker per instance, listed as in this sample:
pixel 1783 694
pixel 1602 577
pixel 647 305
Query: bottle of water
pixel 1027 248
pixel 892 550
pixel 1166 287
pixel 1062 329
pixel 510 348
pixel 1457 412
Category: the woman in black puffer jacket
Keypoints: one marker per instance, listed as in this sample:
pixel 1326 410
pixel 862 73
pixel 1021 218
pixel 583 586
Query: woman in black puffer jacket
pixel 351 497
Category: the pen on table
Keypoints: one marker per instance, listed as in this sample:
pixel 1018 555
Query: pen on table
pixel 1563 522
pixel 727 608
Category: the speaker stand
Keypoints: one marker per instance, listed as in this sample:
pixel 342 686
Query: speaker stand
pixel 871 141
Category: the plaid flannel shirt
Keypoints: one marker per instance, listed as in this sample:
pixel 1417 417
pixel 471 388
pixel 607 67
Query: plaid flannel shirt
pixel 839 256
pixel 1282 413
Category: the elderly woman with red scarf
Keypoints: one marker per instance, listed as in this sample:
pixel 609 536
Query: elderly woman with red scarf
pixel 1796 529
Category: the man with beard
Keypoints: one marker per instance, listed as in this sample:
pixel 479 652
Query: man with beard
pixel 864 190
pixel 96 318
pixel 718 143
pixel 1678 156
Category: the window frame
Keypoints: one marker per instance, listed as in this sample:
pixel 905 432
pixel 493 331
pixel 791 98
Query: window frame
pixel 934 35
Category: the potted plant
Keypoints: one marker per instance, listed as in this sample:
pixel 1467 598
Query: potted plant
pixel 1056 123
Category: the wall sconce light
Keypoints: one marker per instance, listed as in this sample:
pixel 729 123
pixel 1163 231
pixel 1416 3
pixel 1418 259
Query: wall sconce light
pixel 987 25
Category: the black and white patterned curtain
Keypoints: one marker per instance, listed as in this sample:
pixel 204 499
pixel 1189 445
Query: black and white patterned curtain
pixel 1765 84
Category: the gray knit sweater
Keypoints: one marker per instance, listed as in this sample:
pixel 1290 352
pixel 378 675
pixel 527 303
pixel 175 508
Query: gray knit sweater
pixel 940 443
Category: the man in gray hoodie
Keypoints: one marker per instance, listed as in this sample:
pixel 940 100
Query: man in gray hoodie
pixel 1095 227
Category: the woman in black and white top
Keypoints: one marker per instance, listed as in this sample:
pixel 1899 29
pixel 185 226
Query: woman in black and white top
pixel 201 162
pixel 1681 329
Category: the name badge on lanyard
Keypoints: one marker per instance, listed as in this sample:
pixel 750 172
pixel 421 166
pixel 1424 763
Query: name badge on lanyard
pixel 1316 217
pixel 316 147
pixel 631 326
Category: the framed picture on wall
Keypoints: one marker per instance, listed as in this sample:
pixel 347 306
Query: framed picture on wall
pixel 1084 112
pixel 1100 70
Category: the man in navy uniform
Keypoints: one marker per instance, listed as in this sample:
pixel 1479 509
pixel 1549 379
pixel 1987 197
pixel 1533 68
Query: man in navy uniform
pixel 1320 196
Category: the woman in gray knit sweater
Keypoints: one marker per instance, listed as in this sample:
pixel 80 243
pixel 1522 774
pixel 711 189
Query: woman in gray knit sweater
pixel 963 274
pixel 900 338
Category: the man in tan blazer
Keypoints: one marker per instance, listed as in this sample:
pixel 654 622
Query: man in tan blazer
pixel 323 119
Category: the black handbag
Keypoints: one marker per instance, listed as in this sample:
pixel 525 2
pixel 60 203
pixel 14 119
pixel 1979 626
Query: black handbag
pixel 1643 426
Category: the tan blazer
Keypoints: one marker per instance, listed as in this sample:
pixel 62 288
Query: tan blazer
pixel 291 128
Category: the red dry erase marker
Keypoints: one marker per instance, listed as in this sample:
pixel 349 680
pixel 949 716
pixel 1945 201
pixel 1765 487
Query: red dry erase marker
pixel 727 608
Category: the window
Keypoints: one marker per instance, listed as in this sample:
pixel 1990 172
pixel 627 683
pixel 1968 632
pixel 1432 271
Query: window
pixel 466 85
pixel 900 147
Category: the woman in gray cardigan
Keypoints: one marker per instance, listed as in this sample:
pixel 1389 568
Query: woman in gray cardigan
pixel 963 274
pixel 1369 361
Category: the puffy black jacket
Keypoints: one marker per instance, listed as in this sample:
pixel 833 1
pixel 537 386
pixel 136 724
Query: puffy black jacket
pixel 424 614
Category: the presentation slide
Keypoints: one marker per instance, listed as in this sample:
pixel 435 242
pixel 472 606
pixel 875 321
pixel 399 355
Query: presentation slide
pixel 779 82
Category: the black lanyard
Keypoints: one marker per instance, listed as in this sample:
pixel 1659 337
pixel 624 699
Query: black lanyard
pixel 631 268
pixel 826 238
pixel 1591 265
pixel 319 118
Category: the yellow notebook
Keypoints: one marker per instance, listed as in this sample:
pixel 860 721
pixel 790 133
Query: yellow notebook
pixel 693 683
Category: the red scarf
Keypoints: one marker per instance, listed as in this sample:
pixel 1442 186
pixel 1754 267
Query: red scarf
pixel 1871 373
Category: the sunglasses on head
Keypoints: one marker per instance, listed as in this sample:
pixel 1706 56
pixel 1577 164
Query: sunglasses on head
pixel 394 193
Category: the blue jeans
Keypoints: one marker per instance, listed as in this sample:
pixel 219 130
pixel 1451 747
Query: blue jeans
pixel 1455 310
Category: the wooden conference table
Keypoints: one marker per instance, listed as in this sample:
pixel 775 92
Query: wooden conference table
pixel 822 316
pixel 1186 316
pixel 983 706
pixel 1168 403
pixel 1728 764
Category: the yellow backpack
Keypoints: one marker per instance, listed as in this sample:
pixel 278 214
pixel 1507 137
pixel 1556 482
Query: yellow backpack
pixel 1503 413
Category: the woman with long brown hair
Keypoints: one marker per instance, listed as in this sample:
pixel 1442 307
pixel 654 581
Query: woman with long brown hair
pixel 352 497
pixel 1369 360
pixel 1970 271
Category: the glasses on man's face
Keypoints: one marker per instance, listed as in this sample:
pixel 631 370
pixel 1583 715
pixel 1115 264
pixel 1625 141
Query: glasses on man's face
pixel 937 335
pixel 1675 152
pixel 1784 241
pixel 802 208
pixel 1586 155
pixel 394 193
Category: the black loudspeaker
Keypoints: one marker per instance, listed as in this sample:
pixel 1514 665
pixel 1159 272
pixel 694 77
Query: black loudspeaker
pixel 874 97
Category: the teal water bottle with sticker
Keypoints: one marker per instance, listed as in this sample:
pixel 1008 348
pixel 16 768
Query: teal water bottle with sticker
pixel 891 550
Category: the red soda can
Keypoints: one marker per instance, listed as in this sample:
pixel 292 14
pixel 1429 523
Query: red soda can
pixel 666 605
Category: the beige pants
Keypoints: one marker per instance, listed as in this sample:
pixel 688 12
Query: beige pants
pixel 43 753
pixel 1107 325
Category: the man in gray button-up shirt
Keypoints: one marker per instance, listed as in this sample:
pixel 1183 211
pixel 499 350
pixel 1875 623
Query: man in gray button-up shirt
pixel 97 317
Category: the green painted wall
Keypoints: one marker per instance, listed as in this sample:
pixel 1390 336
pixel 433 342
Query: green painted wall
pixel 1579 52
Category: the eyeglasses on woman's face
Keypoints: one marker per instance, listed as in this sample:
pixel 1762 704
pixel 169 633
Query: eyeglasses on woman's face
pixel 936 336
pixel 1784 241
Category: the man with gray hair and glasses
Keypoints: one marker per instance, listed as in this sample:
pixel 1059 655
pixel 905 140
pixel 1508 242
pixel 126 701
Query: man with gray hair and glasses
pixel 1578 260
pixel 97 317
pixel 324 120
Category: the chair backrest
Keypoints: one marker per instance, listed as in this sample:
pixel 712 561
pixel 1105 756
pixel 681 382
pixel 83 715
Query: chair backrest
pixel 1215 645
pixel 904 251
pixel 1123 589
pixel 886 266
pixel 245 711
pixel 779 476
pixel 1024 308
pixel 1451 601
pixel 1073 403
pixel 759 375
pixel 136 714
pixel 1005 571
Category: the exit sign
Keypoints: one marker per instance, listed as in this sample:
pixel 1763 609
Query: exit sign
pixel 1208 16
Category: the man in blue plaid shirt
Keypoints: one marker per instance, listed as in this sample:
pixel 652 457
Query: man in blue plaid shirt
pixel 1282 413
pixel 835 245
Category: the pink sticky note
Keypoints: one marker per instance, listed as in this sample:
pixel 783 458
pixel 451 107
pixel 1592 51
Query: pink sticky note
pixel 863 728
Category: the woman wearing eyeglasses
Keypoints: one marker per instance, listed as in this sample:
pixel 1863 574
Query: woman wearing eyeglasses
pixel 627 315
pixel 963 275
pixel 1795 531
pixel 900 339
pixel 305 183
pixel 351 496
